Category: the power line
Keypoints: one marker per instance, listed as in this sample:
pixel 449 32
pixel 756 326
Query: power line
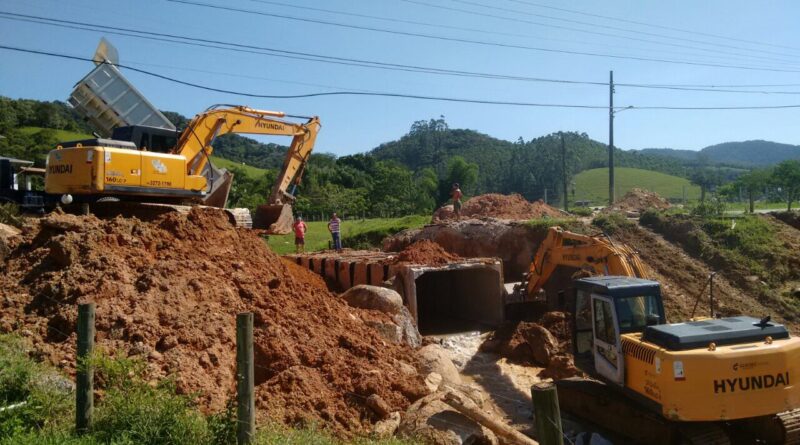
pixel 395 95
pixel 634 22
pixel 605 34
pixel 479 42
pixel 517 11
pixel 363 63
pixel 716 53
pixel 253 49
pixel 299 96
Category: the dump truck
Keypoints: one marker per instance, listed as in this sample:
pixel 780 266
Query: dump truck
pixel 138 157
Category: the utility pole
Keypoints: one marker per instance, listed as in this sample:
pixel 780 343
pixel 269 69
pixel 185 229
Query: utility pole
pixel 611 138
pixel 564 171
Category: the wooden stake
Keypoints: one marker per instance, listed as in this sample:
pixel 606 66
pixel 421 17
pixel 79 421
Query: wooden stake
pixel 547 414
pixel 245 376
pixel 84 377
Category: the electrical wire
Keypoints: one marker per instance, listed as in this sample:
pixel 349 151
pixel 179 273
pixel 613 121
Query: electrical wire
pixel 716 53
pixel 479 42
pixel 274 52
pixel 398 95
pixel 517 11
pixel 634 22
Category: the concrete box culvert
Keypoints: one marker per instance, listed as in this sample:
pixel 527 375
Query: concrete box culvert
pixel 454 298
pixel 460 296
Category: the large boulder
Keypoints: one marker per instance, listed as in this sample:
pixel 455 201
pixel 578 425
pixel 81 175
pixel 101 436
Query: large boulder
pixel 434 358
pixel 377 298
pixel 430 420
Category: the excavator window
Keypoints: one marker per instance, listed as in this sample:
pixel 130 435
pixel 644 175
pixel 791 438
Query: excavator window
pixel 604 322
pixel 636 313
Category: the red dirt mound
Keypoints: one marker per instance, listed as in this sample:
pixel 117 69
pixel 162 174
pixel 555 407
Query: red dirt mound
pixel 168 290
pixel 498 206
pixel 426 252
pixel 638 200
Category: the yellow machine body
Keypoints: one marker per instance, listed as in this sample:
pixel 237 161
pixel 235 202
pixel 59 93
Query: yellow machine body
pixel 716 383
pixel 120 171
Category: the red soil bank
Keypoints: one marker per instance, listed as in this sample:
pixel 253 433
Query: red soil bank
pixel 426 252
pixel 494 205
pixel 169 290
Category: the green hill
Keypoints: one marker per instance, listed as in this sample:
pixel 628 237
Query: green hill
pixel 592 185
pixel 61 135
pixel 252 172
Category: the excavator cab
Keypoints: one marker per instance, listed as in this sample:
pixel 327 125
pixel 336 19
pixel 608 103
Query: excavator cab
pixel 607 307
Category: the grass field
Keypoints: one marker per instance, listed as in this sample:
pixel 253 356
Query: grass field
pixel 317 236
pixel 592 185
pixel 252 172
pixel 61 135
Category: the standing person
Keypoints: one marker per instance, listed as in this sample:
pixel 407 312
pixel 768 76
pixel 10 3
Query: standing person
pixel 334 227
pixel 300 235
pixel 456 194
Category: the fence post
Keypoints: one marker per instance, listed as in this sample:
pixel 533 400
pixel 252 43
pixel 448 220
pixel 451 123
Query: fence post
pixel 84 377
pixel 245 413
pixel 546 413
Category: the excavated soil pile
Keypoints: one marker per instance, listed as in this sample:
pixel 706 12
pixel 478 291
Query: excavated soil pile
pixel 426 252
pixel 638 200
pixel 168 290
pixel 546 343
pixel 791 218
pixel 493 205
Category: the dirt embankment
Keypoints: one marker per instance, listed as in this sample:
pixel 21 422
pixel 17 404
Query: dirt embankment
pixel 684 278
pixel 169 290
pixel 493 205
pixel 639 200
pixel 426 252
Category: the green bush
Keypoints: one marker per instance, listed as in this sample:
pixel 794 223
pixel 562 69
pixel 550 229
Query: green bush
pixel 610 223
pixel 131 412
pixel 9 214
pixel 582 211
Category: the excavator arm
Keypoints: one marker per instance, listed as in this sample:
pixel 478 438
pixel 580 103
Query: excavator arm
pixel 195 145
pixel 595 254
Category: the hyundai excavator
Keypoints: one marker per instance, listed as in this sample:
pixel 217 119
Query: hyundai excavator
pixel 139 164
pixel 709 380
pixel 98 169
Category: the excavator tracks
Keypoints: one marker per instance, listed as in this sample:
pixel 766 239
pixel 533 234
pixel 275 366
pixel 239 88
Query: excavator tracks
pixel 790 422
pixel 704 434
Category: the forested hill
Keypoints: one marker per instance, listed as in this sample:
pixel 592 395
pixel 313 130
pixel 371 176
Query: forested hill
pixel 756 153
pixel 523 166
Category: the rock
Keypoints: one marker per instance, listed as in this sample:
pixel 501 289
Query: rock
pixel 408 329
pixel 379 406
pixel 378 298
pixel 430 420
pixel 560 367
pixel 406 368
pixel 388 330
pixel 155 355
pixel 387 427
pixel 542 343
pixel 434 358
pixel 7 231
pixel 433 381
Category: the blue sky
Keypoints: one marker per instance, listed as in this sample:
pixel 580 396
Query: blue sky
pixel 356 124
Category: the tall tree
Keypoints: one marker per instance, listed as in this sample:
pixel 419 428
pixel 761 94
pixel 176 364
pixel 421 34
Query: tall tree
pixel 787 176
pixel 753 183
pixel 707 179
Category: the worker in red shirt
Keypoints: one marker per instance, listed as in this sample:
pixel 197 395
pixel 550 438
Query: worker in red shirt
pixel 300 235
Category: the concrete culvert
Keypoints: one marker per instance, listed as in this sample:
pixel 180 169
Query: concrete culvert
pixel 456 298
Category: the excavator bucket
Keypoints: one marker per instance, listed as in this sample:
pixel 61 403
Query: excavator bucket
pixel 275 219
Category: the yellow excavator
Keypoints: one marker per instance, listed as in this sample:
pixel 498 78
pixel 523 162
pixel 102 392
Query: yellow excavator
pixel 126 168
pixel 705 381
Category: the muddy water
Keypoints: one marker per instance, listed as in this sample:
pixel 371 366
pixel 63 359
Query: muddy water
pixel 506 385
